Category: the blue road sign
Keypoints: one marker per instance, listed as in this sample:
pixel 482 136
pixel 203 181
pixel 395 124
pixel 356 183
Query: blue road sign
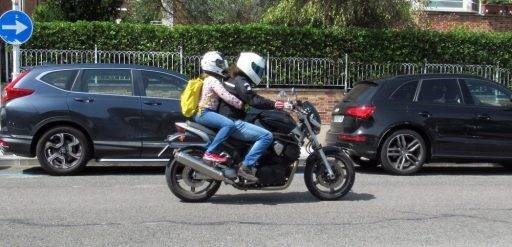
pixel 15 27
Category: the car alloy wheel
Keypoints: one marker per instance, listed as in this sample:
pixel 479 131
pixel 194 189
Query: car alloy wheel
pixel 404 151
pixel 63 151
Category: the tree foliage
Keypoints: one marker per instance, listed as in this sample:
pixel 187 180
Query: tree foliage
pixel 341 13
pixel 76 10
pixel 143 11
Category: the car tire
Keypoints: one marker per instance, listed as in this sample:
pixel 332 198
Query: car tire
pixel 63 150
pixel 403 152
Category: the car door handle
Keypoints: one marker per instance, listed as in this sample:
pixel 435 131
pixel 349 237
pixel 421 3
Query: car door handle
pixel 424 114
pixel 152 103
pixel 484 117
pixel 84 100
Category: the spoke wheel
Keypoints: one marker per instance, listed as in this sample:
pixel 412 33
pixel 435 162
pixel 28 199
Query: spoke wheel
pixel 324 187
pixel 404 152
pixel 63 151
pixel 184 182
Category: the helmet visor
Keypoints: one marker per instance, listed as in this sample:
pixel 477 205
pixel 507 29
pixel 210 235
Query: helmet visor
pixel 259 70
pixel 221 63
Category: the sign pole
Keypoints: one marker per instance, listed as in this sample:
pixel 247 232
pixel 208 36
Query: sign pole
pixel 15 48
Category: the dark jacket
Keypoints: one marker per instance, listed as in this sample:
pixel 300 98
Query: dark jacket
pixel 241 88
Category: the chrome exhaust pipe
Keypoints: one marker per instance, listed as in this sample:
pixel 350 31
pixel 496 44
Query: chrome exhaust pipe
pixel 199 166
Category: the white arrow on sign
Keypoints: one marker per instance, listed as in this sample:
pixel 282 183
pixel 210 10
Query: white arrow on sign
pixel 19 27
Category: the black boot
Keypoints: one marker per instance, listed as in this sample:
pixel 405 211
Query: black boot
pixel 248 173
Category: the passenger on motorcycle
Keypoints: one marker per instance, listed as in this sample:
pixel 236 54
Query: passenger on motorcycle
pixel 249 70
pixel 214 67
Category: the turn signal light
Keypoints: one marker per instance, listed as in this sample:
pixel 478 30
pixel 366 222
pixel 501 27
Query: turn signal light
pixel 360 112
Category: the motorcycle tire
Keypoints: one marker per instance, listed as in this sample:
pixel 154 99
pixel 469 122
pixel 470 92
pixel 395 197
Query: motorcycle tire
pixel 174 170
pixel 315 174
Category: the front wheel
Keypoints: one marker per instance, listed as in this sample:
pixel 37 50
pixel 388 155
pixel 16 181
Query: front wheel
pixel 325 188
pixel 187 184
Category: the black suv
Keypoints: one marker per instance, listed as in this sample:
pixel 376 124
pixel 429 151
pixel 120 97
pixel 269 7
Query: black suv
pixel 68 114
pixel 404 121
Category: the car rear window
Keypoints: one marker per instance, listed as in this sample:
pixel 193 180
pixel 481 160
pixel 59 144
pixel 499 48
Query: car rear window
pixel 405 93
pixel 362 91
pixel 62 79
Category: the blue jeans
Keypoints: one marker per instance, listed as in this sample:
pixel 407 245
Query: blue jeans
pixel 211 119
pixel 261 137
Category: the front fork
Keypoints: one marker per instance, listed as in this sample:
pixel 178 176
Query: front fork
pixel 318 148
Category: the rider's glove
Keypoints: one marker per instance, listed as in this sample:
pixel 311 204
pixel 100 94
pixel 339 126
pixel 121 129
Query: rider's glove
pixel 279 105
pixel 246 108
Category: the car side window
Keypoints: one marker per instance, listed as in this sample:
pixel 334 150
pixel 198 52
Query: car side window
pixel 162 85
pixel 405 92
pixel 62 79
pixel 440 91
pixel 487 94
pixel 106 81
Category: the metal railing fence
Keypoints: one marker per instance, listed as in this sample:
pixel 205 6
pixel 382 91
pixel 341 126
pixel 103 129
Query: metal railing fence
pixel 281 72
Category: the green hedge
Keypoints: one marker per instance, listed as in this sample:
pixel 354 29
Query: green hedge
pixel 362 45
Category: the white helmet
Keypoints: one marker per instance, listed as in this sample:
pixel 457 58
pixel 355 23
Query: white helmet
pixel 214 62
pixel 253 66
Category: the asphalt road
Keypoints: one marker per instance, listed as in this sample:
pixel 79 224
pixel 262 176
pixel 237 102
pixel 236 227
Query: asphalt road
pixel 133 207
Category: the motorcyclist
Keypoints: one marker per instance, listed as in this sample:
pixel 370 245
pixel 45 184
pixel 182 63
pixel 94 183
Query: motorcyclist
pixel 249 70
pixel 214 67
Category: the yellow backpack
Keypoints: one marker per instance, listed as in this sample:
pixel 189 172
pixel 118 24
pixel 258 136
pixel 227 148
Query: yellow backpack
pixel 190 97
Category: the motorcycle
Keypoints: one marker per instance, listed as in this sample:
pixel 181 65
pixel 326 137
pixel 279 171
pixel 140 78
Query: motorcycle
pixel 329 172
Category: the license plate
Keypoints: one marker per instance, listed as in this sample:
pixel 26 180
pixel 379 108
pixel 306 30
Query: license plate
pixel 338 118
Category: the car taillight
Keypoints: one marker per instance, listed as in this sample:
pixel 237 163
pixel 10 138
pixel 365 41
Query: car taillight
pixel 3 144
pixel 361 112
pixel 10 92
pixel 179 129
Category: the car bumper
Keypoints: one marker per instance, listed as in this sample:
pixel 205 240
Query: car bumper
pixel 367 149
pixel 18 145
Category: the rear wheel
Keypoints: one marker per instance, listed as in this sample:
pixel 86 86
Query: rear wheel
pixel 404 152
pixel 325 188
pixel 63 150
pixel 185 183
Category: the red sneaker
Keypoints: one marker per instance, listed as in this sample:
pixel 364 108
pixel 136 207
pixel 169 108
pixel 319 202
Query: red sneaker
pixel 214 157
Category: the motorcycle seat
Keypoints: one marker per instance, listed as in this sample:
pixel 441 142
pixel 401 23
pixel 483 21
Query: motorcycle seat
pixel 201 128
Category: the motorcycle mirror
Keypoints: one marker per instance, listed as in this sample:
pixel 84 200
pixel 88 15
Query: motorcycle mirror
pixel 281 95
pixel 294 93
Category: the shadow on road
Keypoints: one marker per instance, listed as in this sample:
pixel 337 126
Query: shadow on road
pixel 448 170
pixel 4 167
pixel 276 198
pixel 107 170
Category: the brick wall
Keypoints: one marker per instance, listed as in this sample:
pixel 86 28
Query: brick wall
pixel 29 7
pixel 445 21
pixel 323 99
pixel 5 5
